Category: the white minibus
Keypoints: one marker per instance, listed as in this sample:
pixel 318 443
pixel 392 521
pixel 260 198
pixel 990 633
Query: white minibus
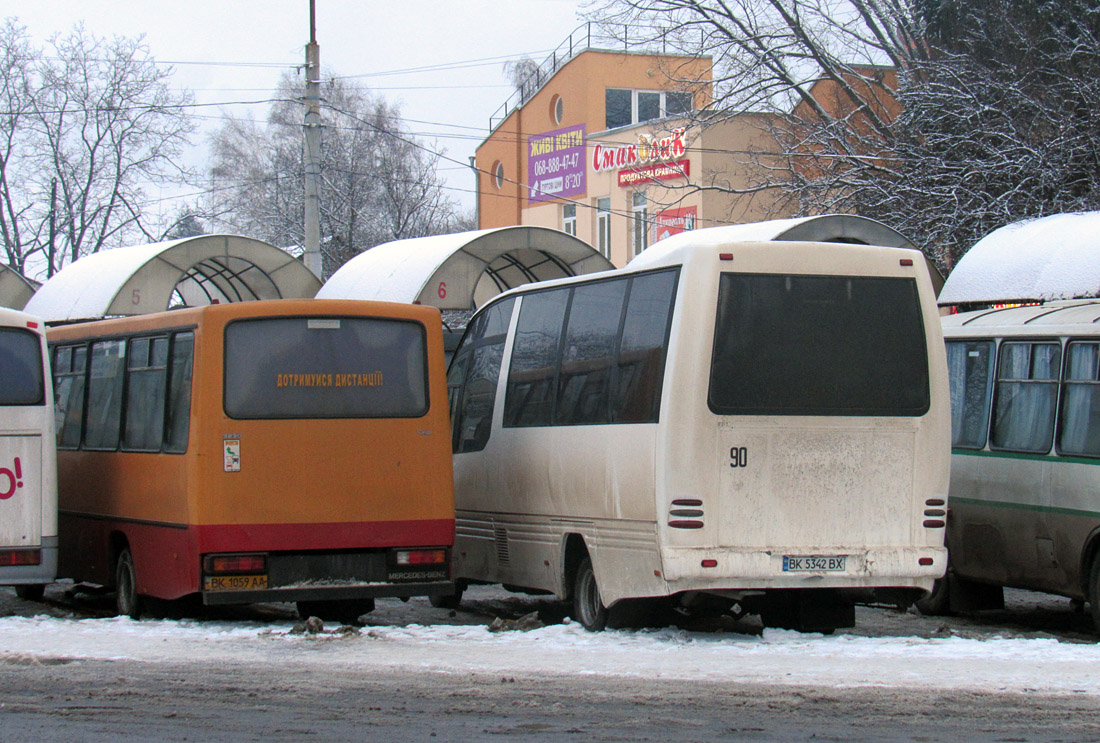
pixel 754 427
pixel 28 464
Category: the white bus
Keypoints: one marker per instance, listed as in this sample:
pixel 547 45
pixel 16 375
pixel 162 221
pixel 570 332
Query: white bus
pixel 745 426
pixel 1025 470
pixel 28 460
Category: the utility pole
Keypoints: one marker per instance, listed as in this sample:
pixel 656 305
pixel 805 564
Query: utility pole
pixel 312 255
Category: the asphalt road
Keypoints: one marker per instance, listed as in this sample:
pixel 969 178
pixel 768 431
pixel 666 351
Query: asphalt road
pixel 297 699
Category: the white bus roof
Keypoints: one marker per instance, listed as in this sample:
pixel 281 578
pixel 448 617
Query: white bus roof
pixel 1029 319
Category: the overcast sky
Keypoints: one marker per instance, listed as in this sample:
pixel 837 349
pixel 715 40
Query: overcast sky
pixel 441 60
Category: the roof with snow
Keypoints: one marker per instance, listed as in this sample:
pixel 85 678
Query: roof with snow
pixel 14 289
pixel 193 271
pixel 1035 260
pixel 463 270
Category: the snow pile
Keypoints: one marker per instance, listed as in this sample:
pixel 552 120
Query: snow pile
pixel 775 657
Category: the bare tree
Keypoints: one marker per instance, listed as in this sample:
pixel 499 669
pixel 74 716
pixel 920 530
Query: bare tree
pixel 378 183
pixel 102 123
pixel 942 118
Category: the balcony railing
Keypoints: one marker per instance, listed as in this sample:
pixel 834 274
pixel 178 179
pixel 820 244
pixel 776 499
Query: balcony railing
pixel 585 37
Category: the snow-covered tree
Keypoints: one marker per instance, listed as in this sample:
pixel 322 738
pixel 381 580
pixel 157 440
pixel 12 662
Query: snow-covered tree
pixel 942 118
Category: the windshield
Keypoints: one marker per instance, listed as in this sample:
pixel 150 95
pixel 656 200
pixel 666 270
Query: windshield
pixel 818 345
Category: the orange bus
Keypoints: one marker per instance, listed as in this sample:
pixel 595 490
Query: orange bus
pixel 289 450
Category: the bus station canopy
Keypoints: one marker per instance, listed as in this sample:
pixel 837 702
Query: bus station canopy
pixel 828 228
pixel 15 290
pixel 193 271
pixel 1035 260
pixel 464 270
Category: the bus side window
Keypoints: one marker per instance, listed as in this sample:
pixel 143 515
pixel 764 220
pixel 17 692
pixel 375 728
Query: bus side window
pixel 178 413
pixel 473 378
pixel 589 354
pixel 1026 395
pixel 529 400
pixel 104 412
pixel 456 376
pixel 70 364
pixel 146 377
pixel 1080 434
pixel 970 369
pixel 637 396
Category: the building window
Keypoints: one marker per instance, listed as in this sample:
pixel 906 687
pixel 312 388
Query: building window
pixel 569 219
pixel 557 109
pixel 640 212
pixel 619 108
pixel 498 174
pixel 603 226
pixel 625 107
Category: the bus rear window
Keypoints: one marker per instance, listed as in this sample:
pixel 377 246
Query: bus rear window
pixel 21 381
pixel 818 345
pixel 325 367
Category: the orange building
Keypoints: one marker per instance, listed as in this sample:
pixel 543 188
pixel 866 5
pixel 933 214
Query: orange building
pixel 601 144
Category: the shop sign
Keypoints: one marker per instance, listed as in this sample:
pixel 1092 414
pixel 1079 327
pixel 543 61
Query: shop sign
pixel 674 221
pixel 555 164
pixel 649 149
pixel 657 172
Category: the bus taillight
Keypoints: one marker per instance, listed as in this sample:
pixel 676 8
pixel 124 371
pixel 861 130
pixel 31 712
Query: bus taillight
pixel 11 558
pixel 421 557
pixel 233 564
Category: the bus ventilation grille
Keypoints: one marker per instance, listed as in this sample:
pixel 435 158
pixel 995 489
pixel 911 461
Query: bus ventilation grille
pixel 500 536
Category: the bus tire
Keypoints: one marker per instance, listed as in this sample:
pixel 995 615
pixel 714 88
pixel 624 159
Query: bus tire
pixel 448 600
pixel 937 603
pixel 344 611
pixel 127 600
pixel 588 608
pixel 1094 593
pixel 33 592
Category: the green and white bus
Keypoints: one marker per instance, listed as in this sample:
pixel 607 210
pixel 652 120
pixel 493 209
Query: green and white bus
pixel 1025 469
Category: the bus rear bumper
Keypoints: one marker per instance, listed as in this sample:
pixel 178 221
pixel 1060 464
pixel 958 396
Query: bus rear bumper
pixel 328 593
pixel 712 569
pixel 42 573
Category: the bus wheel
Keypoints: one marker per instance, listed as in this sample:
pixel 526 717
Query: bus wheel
pixel 937 603
pixel 1094 592
pixel 588 609
pixel 448 600
pixel 345 611
pixel 127 601
pixel 31 592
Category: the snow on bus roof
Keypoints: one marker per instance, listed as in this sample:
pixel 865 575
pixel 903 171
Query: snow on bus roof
pixel 1049 258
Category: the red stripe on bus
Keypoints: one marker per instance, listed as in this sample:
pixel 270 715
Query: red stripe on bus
pixel 340 535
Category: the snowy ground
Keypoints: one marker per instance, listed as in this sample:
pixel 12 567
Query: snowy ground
pixel 888 648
